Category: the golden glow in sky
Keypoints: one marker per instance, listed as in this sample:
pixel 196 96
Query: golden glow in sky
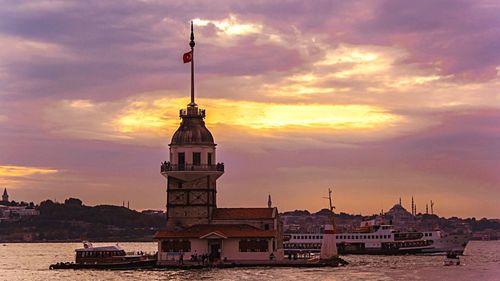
pixel 20 171
pixel 255 115
pixel 10 175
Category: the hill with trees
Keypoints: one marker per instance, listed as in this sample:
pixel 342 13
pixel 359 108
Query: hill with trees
pixel 73 221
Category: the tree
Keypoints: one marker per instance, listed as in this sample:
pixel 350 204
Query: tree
pixel 73 202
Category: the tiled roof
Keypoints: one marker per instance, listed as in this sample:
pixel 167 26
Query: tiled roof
pixel 243 213
pixel 227 230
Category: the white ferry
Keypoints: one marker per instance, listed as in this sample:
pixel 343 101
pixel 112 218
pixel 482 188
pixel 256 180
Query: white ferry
pixel 375 239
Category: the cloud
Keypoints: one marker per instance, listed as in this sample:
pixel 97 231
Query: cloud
pixel 151 116
pixel 379 97
pixel 20 171
pixel 12 176
pixel 436 34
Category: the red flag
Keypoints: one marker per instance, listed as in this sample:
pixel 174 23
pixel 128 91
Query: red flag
pixel 187 57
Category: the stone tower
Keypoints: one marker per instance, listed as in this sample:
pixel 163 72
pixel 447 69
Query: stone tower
pixel 192 171
pixel 5 196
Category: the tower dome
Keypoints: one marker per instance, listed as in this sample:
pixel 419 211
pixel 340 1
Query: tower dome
pixel 192 130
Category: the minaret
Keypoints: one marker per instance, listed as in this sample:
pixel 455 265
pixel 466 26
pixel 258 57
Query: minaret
pixel 269 202
pixel 400 202
pixel 192 170
pixel 5 196
pixel 412 206
pixel 432 208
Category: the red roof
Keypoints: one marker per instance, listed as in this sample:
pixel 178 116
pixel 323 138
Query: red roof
pixel 227 230
pixel 243 213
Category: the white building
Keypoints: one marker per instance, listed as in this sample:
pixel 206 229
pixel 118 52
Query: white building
pixel 13 213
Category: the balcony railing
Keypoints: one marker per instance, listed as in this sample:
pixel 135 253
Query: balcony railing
pixel 167 166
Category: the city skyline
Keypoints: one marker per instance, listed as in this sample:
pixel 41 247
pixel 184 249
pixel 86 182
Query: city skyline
pixel 376 100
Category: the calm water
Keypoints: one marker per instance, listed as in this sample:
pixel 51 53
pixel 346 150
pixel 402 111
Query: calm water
pixel 31 261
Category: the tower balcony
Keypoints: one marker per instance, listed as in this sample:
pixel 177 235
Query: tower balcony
pixel 168 167
pixel 188 172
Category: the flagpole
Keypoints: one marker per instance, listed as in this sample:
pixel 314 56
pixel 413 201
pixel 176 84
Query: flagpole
pixel 191 44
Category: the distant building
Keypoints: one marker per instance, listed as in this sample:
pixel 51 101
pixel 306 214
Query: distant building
pixel 153 212
pixel 401 218
pixel 195 226
pixel 12 211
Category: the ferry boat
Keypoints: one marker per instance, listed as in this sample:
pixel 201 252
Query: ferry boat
pixel 379 239
pixel 107 257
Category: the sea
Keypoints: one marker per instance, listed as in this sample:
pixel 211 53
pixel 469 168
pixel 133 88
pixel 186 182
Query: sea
pixel 30 261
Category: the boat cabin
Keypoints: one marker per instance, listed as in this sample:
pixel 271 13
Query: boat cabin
pixel 99 254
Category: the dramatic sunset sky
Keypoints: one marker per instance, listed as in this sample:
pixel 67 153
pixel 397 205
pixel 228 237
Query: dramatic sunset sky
pixel 377 99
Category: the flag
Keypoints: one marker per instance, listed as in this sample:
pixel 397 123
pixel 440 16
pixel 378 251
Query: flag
pixel 187 57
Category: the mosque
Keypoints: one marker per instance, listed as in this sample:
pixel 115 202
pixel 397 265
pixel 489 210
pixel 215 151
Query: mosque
pixel 195 225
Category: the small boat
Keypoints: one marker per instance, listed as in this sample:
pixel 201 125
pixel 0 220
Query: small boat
pixel 107 257
pixel 451 259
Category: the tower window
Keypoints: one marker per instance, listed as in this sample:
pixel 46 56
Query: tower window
pixel 209 159
pixel 196 158
pixel 181 160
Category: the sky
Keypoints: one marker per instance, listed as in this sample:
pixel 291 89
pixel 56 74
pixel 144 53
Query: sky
pixel 375 99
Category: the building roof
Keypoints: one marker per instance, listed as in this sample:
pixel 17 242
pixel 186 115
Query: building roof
pixel 222 230
pixel 243 213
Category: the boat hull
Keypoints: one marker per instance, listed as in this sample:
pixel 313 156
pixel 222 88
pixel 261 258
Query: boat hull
pixel 123 265
pixel 393 251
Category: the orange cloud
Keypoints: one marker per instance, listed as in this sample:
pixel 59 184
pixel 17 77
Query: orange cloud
pixel 10 174
pixel 22 171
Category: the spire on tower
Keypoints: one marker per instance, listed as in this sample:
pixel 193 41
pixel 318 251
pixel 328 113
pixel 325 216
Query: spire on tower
pixel 269 202
pixel 400 202
pixel 191 44
pixel 5 196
